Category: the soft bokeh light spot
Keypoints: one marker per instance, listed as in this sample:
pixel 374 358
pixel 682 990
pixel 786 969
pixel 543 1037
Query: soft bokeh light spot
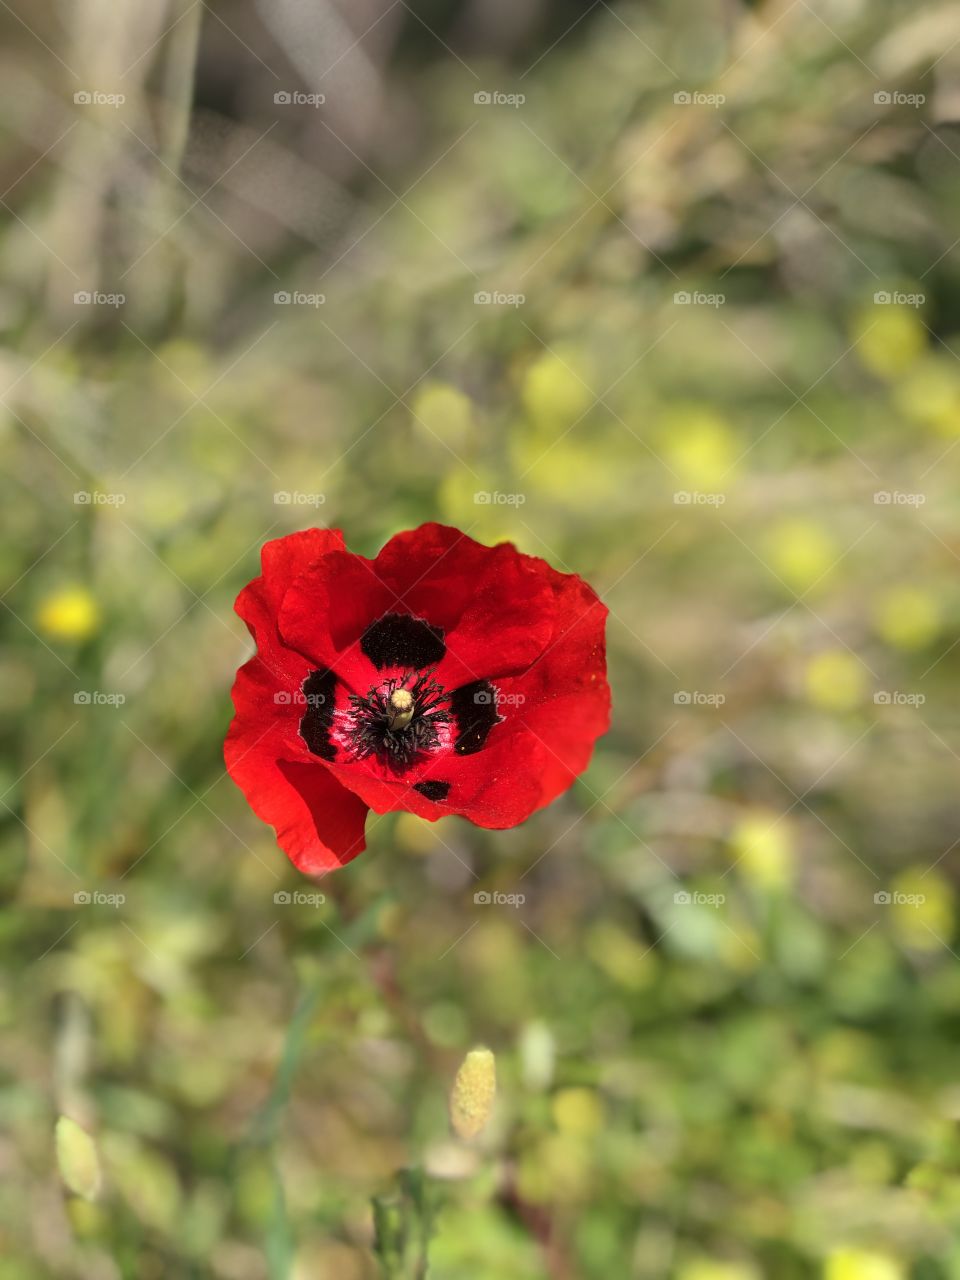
pixel 71 613
pixel 835 680
pixel 928 392
pixel 889 339
pixel 801 552
pixel 577 1111
pixel 762 844
pixel 698 445
pixel 907 617
pixel 442 413
pixel 923 909
pixel 556 390
pixel 622 956
pixel 862 1264
pixel 416 835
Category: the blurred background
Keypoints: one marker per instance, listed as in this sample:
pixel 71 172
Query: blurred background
pixel 666 293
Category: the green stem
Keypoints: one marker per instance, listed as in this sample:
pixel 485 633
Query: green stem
pixel 178 75
pixel 404 1225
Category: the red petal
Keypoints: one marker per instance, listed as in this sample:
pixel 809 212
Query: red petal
pixel 258 604
pixel 487 788
pixel 566 698
pixel 319 823
pixel 495 605
pixel 326 611
pixel 432 571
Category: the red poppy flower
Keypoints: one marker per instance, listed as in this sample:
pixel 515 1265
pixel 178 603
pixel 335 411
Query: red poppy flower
pixel 443 677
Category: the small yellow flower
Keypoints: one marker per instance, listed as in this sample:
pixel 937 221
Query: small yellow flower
pixel 929 393
pixel 698 445
pixel 922 909
pixel 473 1093
pixel 763 847
pixel 577 1111
pixel 862 1264
pixel 69 614
pixel 835 681
pixel 442 413
pixel 801 552
pixel 907 617
pixel 889 339
pixel 556 390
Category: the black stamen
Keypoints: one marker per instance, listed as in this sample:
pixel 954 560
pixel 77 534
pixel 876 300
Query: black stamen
pixel 372 733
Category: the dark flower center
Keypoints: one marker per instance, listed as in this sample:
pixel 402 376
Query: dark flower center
pixel 400 719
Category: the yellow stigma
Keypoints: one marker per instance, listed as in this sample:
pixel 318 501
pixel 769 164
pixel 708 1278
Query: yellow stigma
pixel 474 1090
pixel 401 709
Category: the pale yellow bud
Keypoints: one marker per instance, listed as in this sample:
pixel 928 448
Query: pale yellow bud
pixel 77 1158
pixel 473 1093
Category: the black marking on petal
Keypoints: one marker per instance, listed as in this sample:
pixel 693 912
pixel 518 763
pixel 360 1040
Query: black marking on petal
pixel 433 790
pixel 400 640
pixel 318 689
pixel 474 708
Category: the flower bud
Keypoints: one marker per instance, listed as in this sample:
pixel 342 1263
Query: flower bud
pixel 77 1158
pixel 472 1096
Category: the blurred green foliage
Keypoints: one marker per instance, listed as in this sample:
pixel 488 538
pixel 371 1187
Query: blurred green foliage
pixel 725 1015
